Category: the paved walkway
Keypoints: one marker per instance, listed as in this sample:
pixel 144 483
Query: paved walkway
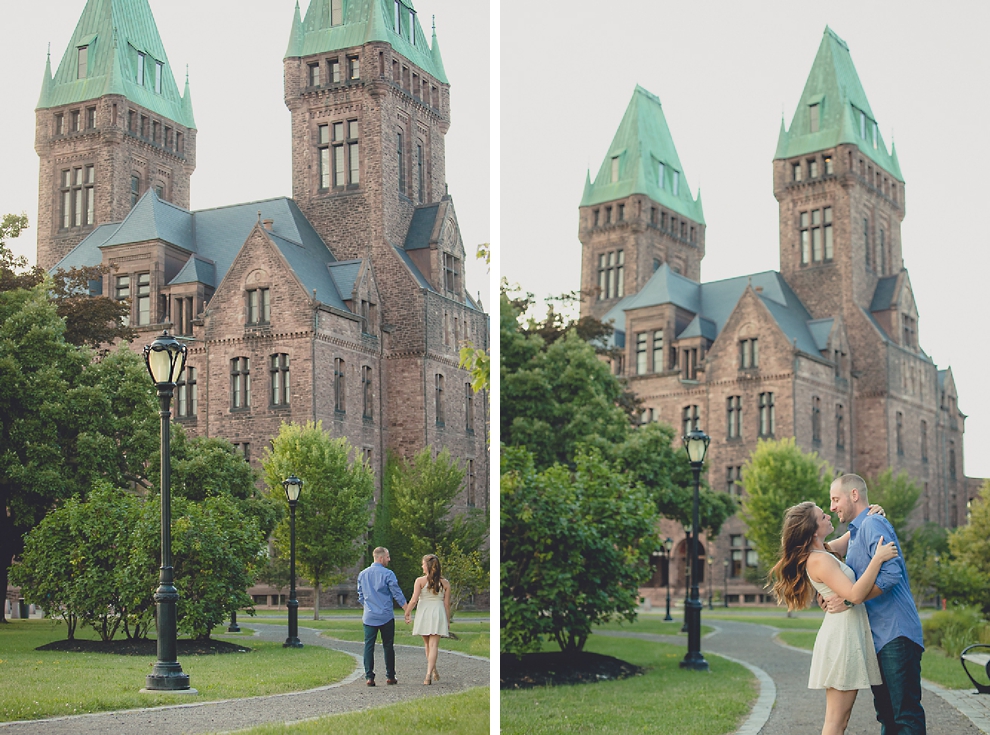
pixel 458 672
pixel 787 707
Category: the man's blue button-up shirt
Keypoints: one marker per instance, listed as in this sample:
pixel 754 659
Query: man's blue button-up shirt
pixel 377 588
pixel 892 614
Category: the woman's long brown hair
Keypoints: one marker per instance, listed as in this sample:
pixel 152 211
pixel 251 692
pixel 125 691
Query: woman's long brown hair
pixel 433 573
pixel 789 576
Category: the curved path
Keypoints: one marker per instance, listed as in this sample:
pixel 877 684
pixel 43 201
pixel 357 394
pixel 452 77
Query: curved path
pixel 459 671
pixel 793 709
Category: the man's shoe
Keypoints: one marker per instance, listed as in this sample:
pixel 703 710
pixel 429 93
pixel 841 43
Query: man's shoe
pixel 393 680
pixel 371 682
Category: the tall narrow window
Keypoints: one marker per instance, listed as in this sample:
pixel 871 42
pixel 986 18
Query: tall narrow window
pixel 140 69
pixel 840 426
pixel 797 173
pixel 827 230
pixel 122 292
pixel 952 459
pixel 899 432
pixel 336 12
pixel 829 166
pixel 323 146
pixel 188 396
pixel 82 59
pixel 816 235
pixel 690 419
pixel 353 67
pixel 397 18
pixel 615 169
pixel 135 189
pixel 402 169
pixel 816 419
pixel 866 240
pixel 734 416
pixel 749 355
pixel 876 135
pixel 805 238
pixel 767 415
pixel 339 404
pixel 90 118
pixel 240 382
pixel 419 173
pixel 881 254
pixel 641 353
pixel 314 74
pixel 470 484
pixel 451 272
pixel 814 110
pixel 439 400
pixel 60 124
pixel 924 441
pixel 159 68
pixel 862 125
pixel 660 170
pixel 676 182
pixel 412 27
pixel 144 298
pixel 658 366
pixel 334 70
pixel 620 267
pixel 367 393
pixel 279 369
pixel 733 478
pixel 468 408
pixel 259 306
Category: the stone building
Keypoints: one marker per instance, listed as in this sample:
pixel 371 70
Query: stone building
pixel 825 350
pixel 344 304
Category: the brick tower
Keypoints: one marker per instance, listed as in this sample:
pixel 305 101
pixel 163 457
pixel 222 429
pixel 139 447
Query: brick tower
pixel 110 124
pixel 638 213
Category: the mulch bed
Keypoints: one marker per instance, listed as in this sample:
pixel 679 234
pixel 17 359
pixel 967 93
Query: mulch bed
pixel 558 668
pixel 127 647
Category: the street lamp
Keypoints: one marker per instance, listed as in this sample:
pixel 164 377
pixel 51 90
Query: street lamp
pixel 668 544
pixel 166 358
pixel 725 583
pixel 696 445
pixel 710 562
pixel 293 486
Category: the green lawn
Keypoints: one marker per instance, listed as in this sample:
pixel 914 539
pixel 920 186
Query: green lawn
pixel 650 624
pixel 49 683
pixel 691 702
pixel 464 713
pixel 935 665
pixel 472 637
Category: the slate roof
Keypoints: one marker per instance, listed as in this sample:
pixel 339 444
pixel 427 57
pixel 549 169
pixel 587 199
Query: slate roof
pixel 641 142
pixel 421 227
pixel 114 32
pixel 833 85
pixel 820 330
pixel 216 236
pixel 345 274
pixel 885 295
pixel 196 270
pixel 714 302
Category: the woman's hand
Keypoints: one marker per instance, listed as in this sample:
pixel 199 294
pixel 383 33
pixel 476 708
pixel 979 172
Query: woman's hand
pixel 877 509
pixel 885 552
pixel 408 617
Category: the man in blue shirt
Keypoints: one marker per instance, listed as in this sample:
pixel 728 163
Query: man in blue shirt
pixel 893 617
pixel 378 590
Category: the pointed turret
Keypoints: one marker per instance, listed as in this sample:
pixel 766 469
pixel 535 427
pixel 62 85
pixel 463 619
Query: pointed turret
pixel 834 110
pixel 643 160
pixel 46 83
pixel 781 140
pixel 435 54
pixel 295 46
pixel 187 109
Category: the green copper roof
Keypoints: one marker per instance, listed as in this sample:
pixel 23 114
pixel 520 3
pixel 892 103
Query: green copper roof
pixel 114 33
pixel 363 21
pixel 641 144
pixel 834 91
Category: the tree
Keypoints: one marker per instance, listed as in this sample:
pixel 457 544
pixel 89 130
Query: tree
pixel 776 476
pixel 467 573
pixel 575 547
pixel 90 320
pixel 15 271
pixel 333 512
pixel 422 493
pixel 274 572
pixel 898 496
pixel 924 550
pixel 966 575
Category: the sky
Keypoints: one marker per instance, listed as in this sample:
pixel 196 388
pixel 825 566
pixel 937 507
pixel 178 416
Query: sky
pixel 234 51
pixel 725 72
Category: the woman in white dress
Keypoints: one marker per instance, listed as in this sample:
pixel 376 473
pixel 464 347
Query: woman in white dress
pixel 844 660
pixel 432 593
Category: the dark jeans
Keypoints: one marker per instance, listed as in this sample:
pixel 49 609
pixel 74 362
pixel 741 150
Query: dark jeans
pixel 898 699
pixel 388 639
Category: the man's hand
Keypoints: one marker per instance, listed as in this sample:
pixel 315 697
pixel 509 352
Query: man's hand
pixel 834 604
pixel 408 617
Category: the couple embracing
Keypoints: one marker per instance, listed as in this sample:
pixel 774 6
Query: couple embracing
pixel 871 635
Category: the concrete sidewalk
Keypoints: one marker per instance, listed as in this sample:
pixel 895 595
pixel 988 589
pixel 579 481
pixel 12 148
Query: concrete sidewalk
pixel 787 707
pixel 458 672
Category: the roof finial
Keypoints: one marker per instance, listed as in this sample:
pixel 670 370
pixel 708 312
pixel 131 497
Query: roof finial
pixel 434 18
pixel 259 216
pixel 49 49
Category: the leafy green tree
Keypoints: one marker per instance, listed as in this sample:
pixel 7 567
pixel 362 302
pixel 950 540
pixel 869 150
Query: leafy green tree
pixel 924 550
pixel 333 513
pixel 467 573
pixel 575 547
pixel 90 320
pixel 15 271
pixel 965 577
pixel 422 493
pixel 898 496
pixel 274 572
pixel 776 476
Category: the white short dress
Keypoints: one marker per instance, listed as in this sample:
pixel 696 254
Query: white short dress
pixel 431 617
pixel 844 657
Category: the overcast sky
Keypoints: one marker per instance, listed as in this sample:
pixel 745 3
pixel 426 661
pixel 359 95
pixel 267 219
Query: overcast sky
pixel 725 72
pixel 234 50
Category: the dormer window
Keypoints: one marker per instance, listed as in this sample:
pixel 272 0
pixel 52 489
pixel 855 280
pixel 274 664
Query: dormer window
pixel 140 69
pixel 397 19
pixel 159 68
pixel 876 135
pixel 82 59
pixel 660 168
pixel 615 169
pixel 412 27
pixel 814 116
pixel 677 181
pixel 336 12
pixel 862 125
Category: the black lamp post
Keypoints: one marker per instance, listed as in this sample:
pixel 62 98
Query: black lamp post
pixel 710 562
pixel 166 358
pixel 696 444
pixel 293 486
pixel 725 583
pixel 938 570
pixel 688 569
pixel 668 544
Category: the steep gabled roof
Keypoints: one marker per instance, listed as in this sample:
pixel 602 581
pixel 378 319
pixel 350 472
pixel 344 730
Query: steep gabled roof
pixel 114 33
pixel 844 113
pixel 641 144
pixel 364 21
pixel 885 295
pixel 196 270
pixel 345 274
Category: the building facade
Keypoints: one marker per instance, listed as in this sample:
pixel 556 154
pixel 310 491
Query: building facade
pixel 825 350
pixel 344 304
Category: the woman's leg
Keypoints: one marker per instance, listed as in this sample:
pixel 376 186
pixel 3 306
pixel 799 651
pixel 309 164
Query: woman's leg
pixel 426 648
pixel 838 707
pixel 432 646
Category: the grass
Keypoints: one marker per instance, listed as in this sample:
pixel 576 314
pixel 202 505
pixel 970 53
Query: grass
pixel 473 638
pixel 464 713
pixel 935 665
pixel 693 702
pixel 650 624
pixel 54 683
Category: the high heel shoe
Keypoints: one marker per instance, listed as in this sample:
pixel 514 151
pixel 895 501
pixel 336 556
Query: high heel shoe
pixel 436 676
pixel 427 682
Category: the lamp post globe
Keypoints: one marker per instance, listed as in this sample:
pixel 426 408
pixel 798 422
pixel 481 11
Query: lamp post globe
pixel 166 359
pixel 293 487
pixel 696 446
pixel 668 546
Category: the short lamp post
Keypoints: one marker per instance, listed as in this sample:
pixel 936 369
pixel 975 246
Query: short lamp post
pixel 166 358
pixel 293 486
pixel 710 562
pixel 725 583
pixel 668 545
pixel 938 570
pixel 696 444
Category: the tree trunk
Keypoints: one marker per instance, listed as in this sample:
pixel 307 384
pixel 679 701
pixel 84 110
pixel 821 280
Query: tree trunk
pixel 316 603
pixel 11 544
